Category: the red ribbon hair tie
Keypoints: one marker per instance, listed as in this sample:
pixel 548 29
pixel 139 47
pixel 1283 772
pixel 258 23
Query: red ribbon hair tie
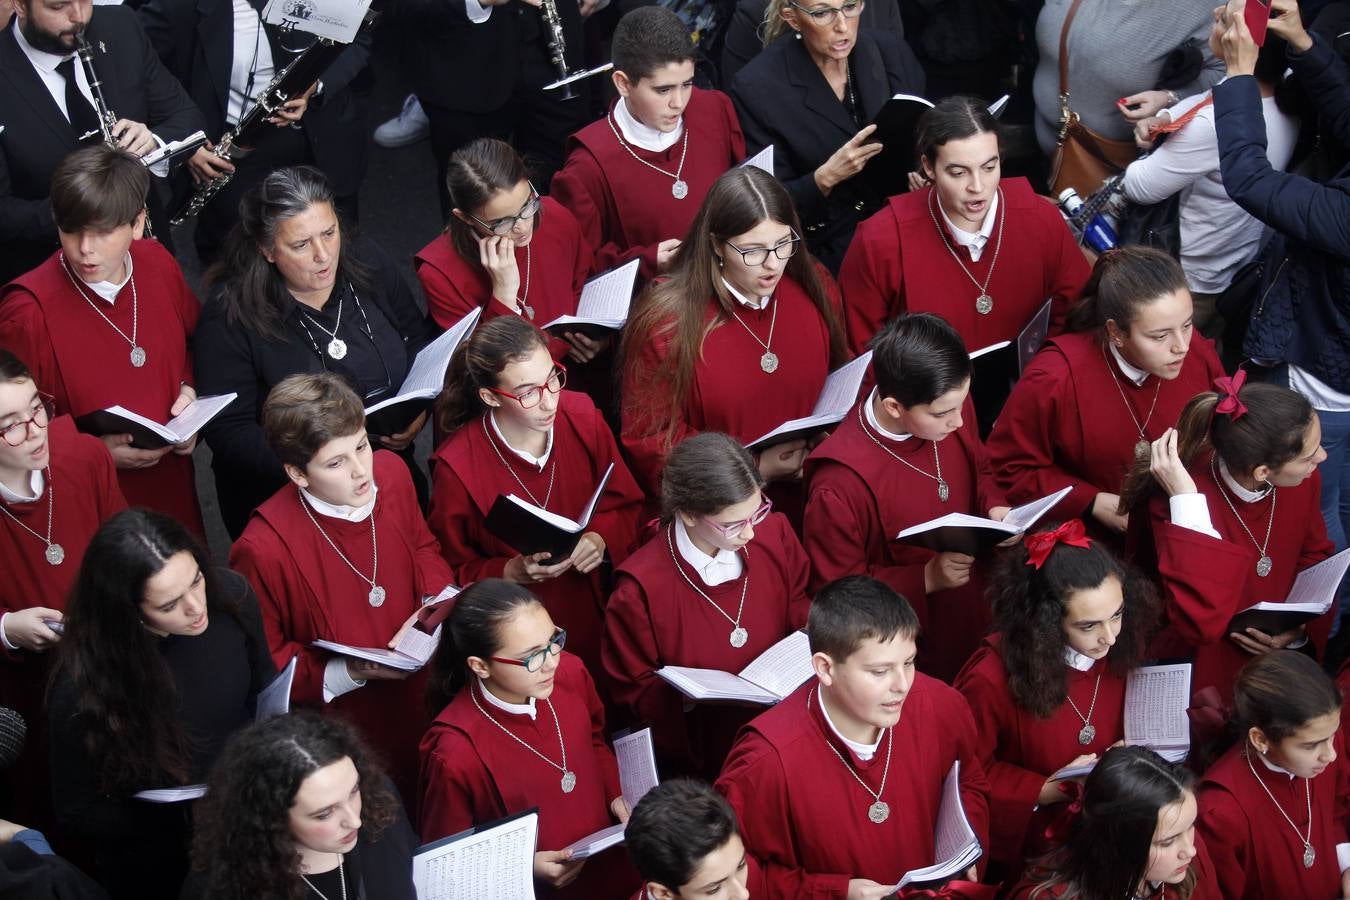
pixel 1041 543
pixel 1228 388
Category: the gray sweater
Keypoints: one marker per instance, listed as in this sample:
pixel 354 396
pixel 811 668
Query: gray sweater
pixel 1116 48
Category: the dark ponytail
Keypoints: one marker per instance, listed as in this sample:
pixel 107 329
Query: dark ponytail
pixel 478 362
pixel 475 173
pixel 1122 281
pixel 706 473
pixel 1280 692
pixel 473 628
pixel 952 119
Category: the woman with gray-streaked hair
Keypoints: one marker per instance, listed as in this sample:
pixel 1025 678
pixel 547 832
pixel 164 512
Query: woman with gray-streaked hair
pixel 292 293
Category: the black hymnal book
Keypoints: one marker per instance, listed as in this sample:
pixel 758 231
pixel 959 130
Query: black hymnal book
pixel 147 434
pixel 996 368
pixel 532 529
pixel 1314 591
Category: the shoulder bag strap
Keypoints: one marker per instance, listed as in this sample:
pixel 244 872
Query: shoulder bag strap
pixel 1064 112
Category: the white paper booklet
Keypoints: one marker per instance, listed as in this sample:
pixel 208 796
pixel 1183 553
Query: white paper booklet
pixel 1018 519
pixel 604 299
pixel 1311 596
pixel 1156 699
pixel 412 653
pixel 426 376
pixel 275 699
pixel 637 776
pixel 761 160
pixel 772 675
pixel 337 20
pixel 837 397
pixel 172 795
pixel 183 426
pixel 956 846
pixel 496 862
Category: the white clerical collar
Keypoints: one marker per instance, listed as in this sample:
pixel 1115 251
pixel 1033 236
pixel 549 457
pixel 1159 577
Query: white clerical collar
pixel 1129 371
pixel 109 290
pixel 537 461
pixel 335 511
pixel 35 484
pixel 714 570
pixel 1238 490
pixel 1080 661
pixel 752 302
pixel 40 59
pixel 975 240
pixel 1272 767
pixel 863 751
pixel 515 709
pixel 876 426
pixel 644 136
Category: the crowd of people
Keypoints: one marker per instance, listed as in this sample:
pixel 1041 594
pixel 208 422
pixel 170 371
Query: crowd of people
pixel 138 763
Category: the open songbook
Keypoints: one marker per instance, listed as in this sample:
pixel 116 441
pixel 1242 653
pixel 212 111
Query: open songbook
pixel 772 675
pixel 147 434
pixel 1156 699
pixel 837 397
pixel 997 367
pixel 956 846
pixel 494 861
pixel 962 533
pixel 532 529
pixel 603 305
pixel 1312 595
pixel 275 699
pixel 425 380
pixel 637 776
pixel 761 160
pixel 413 650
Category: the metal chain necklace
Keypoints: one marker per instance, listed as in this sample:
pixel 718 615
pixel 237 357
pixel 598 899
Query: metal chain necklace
pixel 552 468
pixel 1309 854
pixel 1088 733
pixel 738 634
pixel 525 307
pixel 342 880
pixel 1141 448
pixel 768 363
pixel 1265 563
pixel 337 348
pixel 679 190
pixel 569 778
pixel 377 593
pixel 943 490
pixel 137 351
pixel 984 304
pixel 880 810
pixel 56 554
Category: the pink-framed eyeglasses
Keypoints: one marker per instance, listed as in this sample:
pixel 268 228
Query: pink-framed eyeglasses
pixel 735 528
pixel 529 398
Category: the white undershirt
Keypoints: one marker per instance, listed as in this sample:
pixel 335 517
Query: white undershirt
pixel 751 302
pixel 339 511
pixel 644 136
pixel 713 570
pixel 1075 660
pixel 863 751
pixel 1134 374
pixel 515 709
pixel 252 56
pixel 872 420
pixel 537 461
pixel 35 482
pixel 974 241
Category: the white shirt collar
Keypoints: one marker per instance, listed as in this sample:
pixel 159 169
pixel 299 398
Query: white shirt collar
pixel 975 240
pixel 1129 371
pixel 537 461
pixel 714 570
pixel 515 709
pixel 1080 661
pixel 109 290
pixel 872 420
pixel 40 59
pixel 644 136
pixel 1272 767
pixel 863 751
pixel 35 483
pixel 752 302
pixel 1238 490
pixel 346 513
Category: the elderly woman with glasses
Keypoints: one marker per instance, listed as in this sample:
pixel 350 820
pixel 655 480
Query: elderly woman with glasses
pixel 811 97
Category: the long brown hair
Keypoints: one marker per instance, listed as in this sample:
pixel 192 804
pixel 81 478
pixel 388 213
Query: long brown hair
pixel 672 311
pixel 475 173
pixel 478 362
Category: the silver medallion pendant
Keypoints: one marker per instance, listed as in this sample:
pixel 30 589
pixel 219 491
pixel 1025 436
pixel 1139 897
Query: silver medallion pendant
pixel 679 190
pixel 527 309
pixel 1264 565
pixel 739 636
pixel 1309 856
pixel 137 357
pixel 1141 449
pixel 376 596
pixel 569 782
pixel 879 812
pixel 769 361
pixel 56 554
pixel 1088 734
pixel 943 491
pixel 984 304
pixel 337 348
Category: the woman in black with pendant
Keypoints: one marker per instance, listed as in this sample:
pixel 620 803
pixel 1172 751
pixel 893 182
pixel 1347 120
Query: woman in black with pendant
pixel 293 293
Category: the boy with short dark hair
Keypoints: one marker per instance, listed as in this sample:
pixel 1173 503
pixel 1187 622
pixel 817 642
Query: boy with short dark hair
pixel 684 840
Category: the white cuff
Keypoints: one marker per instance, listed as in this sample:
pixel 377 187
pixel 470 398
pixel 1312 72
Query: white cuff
pixel 477 12
pixel 1343 856
pixel 161 168
pixel 1191 511
pixel 4 638
pixel 337 680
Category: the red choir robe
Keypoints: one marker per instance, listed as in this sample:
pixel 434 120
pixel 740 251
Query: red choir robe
pixel 1065 424
pixel 473 773
pixel 467 476
pixel 898 263
pixel 1020 750
pixel 626 208
pixel 308 593
pixel 1206 581
pixel 803 815
pixel 85 365
pixel 1255 852
pixel 859 498
pixel 655 619
pixel 1206 881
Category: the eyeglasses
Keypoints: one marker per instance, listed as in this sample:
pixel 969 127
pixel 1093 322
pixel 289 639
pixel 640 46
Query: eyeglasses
pixel 735 528
pixel 535 661
pixel 17 432
pixel 825 15
pixel 503 226
pixel 528 399
pixel 760 255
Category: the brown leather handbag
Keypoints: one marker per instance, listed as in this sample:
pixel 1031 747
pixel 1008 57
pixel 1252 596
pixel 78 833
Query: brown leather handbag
pixel 1083 159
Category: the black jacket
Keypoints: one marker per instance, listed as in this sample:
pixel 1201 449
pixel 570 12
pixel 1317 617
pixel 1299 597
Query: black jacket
pixel 743 41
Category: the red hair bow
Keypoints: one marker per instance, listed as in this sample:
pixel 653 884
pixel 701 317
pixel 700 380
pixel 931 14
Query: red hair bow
pixel 1041 543
pixel 1228 388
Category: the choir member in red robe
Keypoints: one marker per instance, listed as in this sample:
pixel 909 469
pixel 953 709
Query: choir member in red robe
pixel 521 726
pixel 1135 836
pixel 106 321
pixel 1272 809
pixel 1234 523
pixel 684 839
pixel 514 430
pixel 1048 689
pixel 1084 408
pixel 984 254
pixel 749 357
pixel 889 466
pixel 342 554
pixel 721 582
pixel 635 178
pixel 838 787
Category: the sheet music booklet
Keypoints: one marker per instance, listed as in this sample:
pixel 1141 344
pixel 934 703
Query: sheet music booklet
pixel 955 843
pixel 533 529
pixel 837 397
pixel 425 380
pixel 1312 595
pixel 493 861
pixel 414 648
pixel 604 303
pixel 637 776
pixel 147 434
pixel 769 678
pixel 962 533
pixel 1156 699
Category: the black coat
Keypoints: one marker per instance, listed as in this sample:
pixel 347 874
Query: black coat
pixel 26 875
pixel 36 136
pixel 743 41
pixel 782 98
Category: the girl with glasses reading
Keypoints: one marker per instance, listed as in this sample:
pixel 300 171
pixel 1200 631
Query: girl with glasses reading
pixel 721 582
pixel 520 725
pixel 513 429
